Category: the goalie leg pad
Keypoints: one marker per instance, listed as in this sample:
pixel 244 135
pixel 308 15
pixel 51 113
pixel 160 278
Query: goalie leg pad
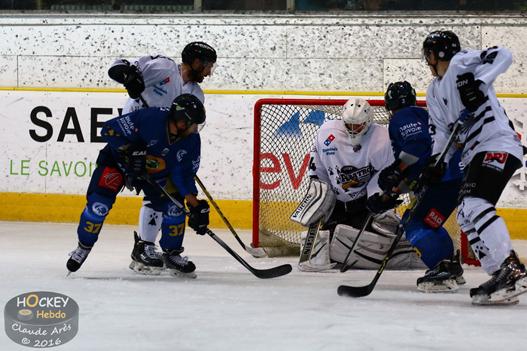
pixel 319 260
pixel 371 250
pixel 386 223
pixel 317 204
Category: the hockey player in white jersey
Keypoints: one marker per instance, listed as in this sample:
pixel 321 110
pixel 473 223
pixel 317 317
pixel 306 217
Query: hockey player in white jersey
pixel 155 81
pixel 491 153
pixel 348 153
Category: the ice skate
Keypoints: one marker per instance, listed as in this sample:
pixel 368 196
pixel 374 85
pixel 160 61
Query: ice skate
pixel 504 286
pixel 179 266
pixel 446 276
pixel 145 259
pixel 77 258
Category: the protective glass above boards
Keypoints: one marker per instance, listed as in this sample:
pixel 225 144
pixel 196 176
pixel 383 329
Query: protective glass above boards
pixel 181 6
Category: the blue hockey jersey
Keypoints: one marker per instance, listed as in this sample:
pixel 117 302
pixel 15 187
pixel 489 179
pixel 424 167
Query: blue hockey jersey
pixel 408 131
pixel 178 160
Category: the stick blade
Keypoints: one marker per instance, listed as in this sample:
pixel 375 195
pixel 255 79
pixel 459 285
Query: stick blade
pixel 274 272
pixel 354 291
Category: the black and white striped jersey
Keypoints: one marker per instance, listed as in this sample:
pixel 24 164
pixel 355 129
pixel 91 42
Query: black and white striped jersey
pixel 489 128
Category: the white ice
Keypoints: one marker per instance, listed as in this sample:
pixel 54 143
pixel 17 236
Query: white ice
pixel 227 308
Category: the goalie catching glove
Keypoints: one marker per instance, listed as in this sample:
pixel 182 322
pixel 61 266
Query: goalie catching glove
pixel 199 217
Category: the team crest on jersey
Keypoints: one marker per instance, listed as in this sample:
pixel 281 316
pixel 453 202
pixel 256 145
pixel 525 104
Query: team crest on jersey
pixel 353 177
pixel 155 164
pixel 495 160
pixel 329 139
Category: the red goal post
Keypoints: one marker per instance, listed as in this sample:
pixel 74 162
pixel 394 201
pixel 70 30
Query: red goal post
pixel 284 130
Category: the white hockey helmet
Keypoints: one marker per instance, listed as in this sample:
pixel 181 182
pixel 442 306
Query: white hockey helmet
pixel 357 117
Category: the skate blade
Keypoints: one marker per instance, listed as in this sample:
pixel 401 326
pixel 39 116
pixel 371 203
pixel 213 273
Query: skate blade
pixel 447 286
pixel 520 287
pixel 181 275
pixel 460 280
pixel 145 270
pixel 486 301
pixel 309 267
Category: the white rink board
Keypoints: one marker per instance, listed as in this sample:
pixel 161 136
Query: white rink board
pixel 63 167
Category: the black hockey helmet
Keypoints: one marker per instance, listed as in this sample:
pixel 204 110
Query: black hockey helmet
pixel 399 95
pixel 443 43
pixel 200 50
pixel 189 108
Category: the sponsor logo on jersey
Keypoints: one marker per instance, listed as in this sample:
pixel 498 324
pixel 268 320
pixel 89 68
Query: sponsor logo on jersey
pixel 495 160
pixel 165 81
pixel 126 124
pixel 99 209
pixel 330 151
pixel 410 129
pixel 434 219
pixel 329 139
pixel 111 179
pixel 180 154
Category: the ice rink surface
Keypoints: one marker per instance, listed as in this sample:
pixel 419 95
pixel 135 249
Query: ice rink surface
pixel 227 308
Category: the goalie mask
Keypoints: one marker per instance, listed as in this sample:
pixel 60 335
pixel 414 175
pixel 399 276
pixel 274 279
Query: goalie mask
pixel 357 117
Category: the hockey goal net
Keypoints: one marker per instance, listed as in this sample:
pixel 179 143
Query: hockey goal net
pixel 284 131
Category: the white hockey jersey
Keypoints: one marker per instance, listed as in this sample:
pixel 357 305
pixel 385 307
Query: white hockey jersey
pixel 352 172
pixel 163 83
pixel 491 129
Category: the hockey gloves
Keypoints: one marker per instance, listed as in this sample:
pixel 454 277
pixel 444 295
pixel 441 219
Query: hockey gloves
pixel 390 177
pixel 199 217
pixel 133 82
pixel 134 160
pixel 471 96
pixel 433 174
pixel 379 203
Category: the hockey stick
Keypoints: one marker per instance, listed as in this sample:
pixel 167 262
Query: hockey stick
pixel 260 273
pixel 360 291
pixel 254 251
pixel 345 265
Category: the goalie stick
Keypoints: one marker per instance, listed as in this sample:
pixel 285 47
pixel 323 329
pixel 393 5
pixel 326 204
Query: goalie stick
pixel 274 272
pixel 257 252
pixel 360 291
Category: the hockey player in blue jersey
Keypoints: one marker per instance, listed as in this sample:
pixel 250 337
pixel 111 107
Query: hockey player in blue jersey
pixel 154 144
pixel 412 147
